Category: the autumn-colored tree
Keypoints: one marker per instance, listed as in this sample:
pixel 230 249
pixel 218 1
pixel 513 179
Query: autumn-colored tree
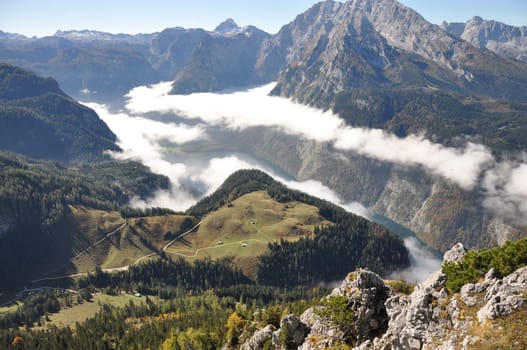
pixel 234 327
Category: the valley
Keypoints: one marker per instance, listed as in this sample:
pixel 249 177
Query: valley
pixel 233 189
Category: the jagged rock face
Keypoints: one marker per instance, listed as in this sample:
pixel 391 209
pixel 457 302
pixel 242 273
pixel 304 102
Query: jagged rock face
pixel 503 296
pixel 430 318
pixel 366 294
pixel 172 49
pixel 291 334
pixel 505 40
pixel 227 26
pixel 414 321
pixel 222 60
pixel 334 47
pixel 288 45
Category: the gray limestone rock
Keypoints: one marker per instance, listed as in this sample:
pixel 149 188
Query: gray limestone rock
pixel 415 320
pixel 505 295
pixel 259 338
pixel 429 318
pixel 366 294
pixel 504 40
pixel 455 254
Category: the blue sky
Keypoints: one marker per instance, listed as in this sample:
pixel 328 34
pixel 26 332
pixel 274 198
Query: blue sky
pixel 37 17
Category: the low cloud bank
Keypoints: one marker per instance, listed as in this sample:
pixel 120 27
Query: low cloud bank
pixel 506 190
pixel 244 109
pixel 142 139
pixel 470 167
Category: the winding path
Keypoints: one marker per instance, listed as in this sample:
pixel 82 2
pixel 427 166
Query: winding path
pixel 100 240
pixel 181 236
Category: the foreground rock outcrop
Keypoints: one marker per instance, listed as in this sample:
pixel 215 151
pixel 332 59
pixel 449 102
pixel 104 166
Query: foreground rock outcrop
pixel 431 317
pixel 366 295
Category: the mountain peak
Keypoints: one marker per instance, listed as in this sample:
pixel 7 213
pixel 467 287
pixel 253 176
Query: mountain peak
pixel 227 26
pixel 476 19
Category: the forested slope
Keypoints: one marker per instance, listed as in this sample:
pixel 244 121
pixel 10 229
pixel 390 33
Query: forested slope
pixel 41 121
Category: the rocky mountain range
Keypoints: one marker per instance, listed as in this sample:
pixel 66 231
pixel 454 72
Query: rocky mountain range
pixel 365 43
pixel 112 64
pixel 389 45
pixel 500 38
pixel 225 58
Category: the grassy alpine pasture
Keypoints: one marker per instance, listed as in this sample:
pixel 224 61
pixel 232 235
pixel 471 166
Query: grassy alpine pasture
pixel 240 230
pixel 106 239
pixel 9 307
pixel 243 228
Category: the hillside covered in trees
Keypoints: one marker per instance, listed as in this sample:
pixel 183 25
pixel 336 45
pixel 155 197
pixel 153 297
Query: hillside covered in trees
pixel 329 254
pixel 39 120
pixel 53 197
pixel 35 200
pixel 202 302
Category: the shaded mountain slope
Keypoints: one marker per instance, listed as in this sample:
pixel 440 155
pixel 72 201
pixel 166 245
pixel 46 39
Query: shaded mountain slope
pixel 41 121
pixel 222 59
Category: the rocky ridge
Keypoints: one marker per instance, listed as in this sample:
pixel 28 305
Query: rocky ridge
pixel 500 38
pixel 430 317
pixel 224 58
pixel 196 59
